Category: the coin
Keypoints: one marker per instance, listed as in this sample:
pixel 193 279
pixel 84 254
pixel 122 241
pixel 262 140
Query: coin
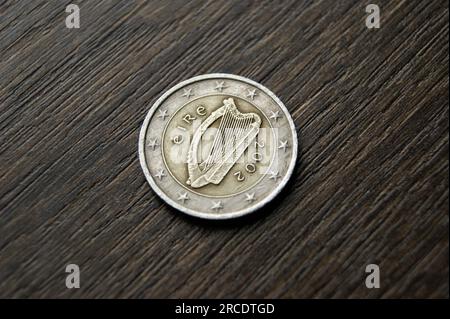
pixel 218 146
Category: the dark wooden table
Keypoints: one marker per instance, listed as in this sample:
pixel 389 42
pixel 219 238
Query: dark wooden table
pixel 371 185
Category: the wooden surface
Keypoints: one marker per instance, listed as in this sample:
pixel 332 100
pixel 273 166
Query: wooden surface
pixel 371 185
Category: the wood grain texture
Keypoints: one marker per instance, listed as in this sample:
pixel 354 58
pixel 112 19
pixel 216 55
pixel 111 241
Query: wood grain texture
pixel 371 184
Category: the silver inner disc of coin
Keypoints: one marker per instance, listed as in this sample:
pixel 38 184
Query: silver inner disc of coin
pixel 218 146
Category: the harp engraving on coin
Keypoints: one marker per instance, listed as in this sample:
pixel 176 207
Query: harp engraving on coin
pixel 218 146
pixel 235 133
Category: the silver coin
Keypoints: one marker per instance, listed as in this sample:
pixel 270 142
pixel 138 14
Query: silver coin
pixel 218 146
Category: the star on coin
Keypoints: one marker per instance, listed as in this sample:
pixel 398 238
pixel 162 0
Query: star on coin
pixel 217 205
pixel 220 85
pixel 160 174
pixel 163 114
pixel 153 144
pixel 283 145
pixel 251 93
pixel 274 175
pixel 250 197
pixel 275 115
pixel 187 93
pixel 183 197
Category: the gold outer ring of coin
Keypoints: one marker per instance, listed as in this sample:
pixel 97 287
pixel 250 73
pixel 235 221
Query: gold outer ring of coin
pixel 208 213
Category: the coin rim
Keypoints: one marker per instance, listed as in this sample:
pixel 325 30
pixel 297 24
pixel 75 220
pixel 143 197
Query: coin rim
pixel 215 216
